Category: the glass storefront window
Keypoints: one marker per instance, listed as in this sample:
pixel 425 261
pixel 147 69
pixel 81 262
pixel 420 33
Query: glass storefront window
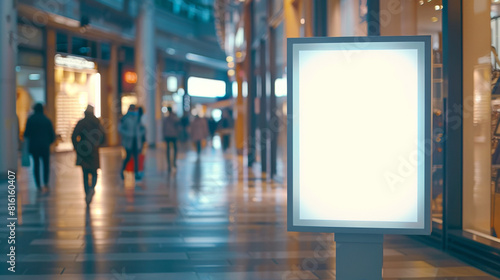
pixel 30 79
pixel 75 89
pixel 62 43
pixel 481 115
pixel 399 18
pixel 30 90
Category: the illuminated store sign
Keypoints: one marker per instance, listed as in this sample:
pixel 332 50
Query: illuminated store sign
pixel 130 77
pixel 359 133
pixel 73 62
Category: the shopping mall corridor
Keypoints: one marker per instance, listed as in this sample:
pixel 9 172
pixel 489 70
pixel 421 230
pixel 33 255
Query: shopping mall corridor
pixel 209 219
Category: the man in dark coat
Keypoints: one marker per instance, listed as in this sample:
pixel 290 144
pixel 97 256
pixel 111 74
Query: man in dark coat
pixel 40 134
pixel 87 137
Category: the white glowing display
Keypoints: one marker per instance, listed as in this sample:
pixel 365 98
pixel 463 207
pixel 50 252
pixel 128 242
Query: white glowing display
pixel 359 136
pixel 202 87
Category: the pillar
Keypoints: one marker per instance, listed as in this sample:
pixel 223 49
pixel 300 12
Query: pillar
pixel 8 118
pixel 113 102
pixel 452 72
pixel 240 112
pixel 146 66
pixel 50 46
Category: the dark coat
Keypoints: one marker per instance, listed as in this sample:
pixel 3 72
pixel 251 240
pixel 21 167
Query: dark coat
pixel 40 133
pixel 87 137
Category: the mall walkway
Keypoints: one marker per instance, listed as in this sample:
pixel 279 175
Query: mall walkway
pixel 212 219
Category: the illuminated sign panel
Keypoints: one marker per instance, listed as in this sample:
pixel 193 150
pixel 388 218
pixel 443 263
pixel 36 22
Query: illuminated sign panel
pixel 73 62
pixel 359 134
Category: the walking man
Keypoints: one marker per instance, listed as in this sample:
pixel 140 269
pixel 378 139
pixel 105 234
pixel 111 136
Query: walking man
pixel 40 134
pixel 171 126
pixel 87 137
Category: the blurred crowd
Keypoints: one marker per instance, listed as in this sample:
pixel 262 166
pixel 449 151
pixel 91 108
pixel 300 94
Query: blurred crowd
pixel 89 135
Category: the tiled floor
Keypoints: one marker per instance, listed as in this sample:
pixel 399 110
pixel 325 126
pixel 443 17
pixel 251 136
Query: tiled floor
pixel 211 219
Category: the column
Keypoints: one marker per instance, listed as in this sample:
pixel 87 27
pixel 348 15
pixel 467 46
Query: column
pixel 240 113
pixel 146 66
pixel 50 46
pixel 452 72
pixel 320 18
pixel 8 118
pixel 113 102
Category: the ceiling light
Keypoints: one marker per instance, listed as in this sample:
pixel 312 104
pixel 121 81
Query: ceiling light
pixel 170 51
pixel 302 21
pixel 34 77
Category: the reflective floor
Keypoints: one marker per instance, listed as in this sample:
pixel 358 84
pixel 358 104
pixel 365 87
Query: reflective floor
pixel 209 219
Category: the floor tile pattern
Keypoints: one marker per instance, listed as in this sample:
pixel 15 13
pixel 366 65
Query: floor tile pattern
pixel 212 218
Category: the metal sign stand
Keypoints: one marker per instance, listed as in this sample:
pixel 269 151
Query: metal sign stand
pixel 359 256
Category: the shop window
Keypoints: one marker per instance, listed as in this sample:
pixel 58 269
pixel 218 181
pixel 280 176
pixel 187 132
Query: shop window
pixel 105 51
pixel 30 36
pixel 30 90
pixel 84 47
pixel 424 18
pixel 62 43
pixel 481 118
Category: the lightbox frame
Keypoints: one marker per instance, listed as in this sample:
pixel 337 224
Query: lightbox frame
pixel 427 56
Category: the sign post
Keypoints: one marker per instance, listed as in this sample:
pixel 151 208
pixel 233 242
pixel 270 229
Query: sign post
pixel 359 143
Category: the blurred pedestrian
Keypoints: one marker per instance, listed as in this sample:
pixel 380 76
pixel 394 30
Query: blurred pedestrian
pixel 226 124
pixel 171 126
pixel 212 126
pixel 199 132
pixel 184 135
pixel 142 120
pixel 40 134
pixel 132 133
pixel 87 137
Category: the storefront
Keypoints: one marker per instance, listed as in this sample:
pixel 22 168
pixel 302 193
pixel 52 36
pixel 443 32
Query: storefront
pixel 77 84
pixel 466 98
pixel 30 73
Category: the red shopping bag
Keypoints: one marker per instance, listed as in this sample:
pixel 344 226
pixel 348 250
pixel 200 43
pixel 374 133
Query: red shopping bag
pixel 131 162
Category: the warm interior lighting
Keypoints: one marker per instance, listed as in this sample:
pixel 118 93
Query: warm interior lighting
pixel 230 65
pixel 229 59
pixel 434 19
pixel 302 21
pixel 97 96
pixel 230 72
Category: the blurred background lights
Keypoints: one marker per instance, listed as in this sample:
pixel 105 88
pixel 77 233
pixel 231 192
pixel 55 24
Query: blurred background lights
pixel 172 83
pixel 216 114
pixel 302 21
pixel 230 72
